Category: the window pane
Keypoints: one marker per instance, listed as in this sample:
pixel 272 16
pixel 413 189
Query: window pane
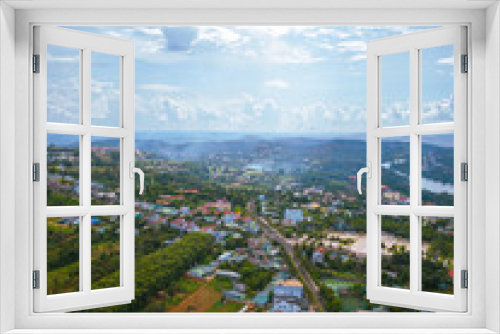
pixel 105 89
pixel 63 85
pixel 105 171
pixel 437 169
pixel 105 252
pixel 437 254
pixel 437 84
pixel 395 89
pixel 63 170
pixel 395 171
pixel 395 251
pixel 63 255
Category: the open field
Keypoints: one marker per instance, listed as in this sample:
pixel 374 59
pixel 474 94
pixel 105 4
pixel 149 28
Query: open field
pixel 199 301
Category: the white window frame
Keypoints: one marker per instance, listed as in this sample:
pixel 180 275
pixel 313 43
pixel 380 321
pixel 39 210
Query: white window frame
pixel 476 320
pixel 86 44
pixel 413 44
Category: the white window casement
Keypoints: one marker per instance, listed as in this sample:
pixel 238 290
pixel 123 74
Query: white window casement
pixel 83 131
pixel 472 27
pixel 413 47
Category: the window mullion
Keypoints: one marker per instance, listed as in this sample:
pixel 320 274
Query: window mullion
pixel 414 170
pixel 85 184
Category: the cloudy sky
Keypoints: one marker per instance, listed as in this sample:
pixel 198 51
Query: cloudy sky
pixel 255 79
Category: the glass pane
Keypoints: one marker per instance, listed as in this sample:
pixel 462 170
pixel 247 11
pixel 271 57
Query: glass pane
pixel 395 171
pixel 437 84
pixel 437 169
pixel 395 89
pixel 395 250
pixel 63 255
pixel 105 171
pixel 105 89
pixel 63 170
pixel 105 252
pixel 63 85
pixel 437 254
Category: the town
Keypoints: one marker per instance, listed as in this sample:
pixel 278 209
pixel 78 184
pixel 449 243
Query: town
pixel 242 233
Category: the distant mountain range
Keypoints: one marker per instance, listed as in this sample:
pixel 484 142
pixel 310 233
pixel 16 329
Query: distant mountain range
pixel 312 157
pixel 218 136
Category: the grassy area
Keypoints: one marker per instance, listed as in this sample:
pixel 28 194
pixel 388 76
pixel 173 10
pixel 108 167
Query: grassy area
pixel 343 275
pixel 352 304
pixel 220 284
pixel 332 283
pixel 225 307
pixel 187 285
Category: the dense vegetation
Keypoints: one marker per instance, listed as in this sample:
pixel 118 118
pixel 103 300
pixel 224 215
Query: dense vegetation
pixel 157 271
pixel 253 276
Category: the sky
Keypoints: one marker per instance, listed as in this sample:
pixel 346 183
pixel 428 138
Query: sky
pixel 286 79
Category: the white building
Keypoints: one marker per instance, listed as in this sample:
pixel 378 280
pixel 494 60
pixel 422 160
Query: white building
pixel 288 288
pixel 288 296
pixel 294 214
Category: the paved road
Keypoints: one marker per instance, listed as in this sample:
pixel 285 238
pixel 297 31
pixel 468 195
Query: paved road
pixel 276 235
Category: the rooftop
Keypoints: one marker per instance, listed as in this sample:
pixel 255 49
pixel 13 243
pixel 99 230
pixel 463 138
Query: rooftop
pixel 289 282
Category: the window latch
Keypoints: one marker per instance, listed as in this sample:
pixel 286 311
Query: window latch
pixel 139 171
pixel 368 171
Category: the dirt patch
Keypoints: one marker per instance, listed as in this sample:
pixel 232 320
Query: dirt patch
pixel 199 301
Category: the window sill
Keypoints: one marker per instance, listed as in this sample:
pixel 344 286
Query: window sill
pixel 251 331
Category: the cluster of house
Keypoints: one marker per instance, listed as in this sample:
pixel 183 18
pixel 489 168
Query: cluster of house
pixel 263 254
pixel 63 182
pixel 288 296
pixel 260 252
pixel 326 202
pixel 215 218
pixel 237 293
pixel 319 255
pixel 393 197
pixel 210 269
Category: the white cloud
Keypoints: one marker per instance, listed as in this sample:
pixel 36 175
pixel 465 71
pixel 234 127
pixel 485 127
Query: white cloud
pixel 446 61
pixel 283 53
pixel 164 110
pixel 398 113
pixel 358 57
pixel 148 41
pixel 274 31
pixel 277 83
pixel 438 111
pixel 105 100
pixel 159 87
pixel 352 46
pixel 325 45
pixel 269 44
pixel 220 36
pixel 63 59
pixel 149 30
pixel 63 100
pixel 395 114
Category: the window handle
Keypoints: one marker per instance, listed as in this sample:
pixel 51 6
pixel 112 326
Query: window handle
pixel 139 171
pixel 368 171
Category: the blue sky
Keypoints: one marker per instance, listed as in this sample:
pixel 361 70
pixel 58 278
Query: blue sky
pixel 253 79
